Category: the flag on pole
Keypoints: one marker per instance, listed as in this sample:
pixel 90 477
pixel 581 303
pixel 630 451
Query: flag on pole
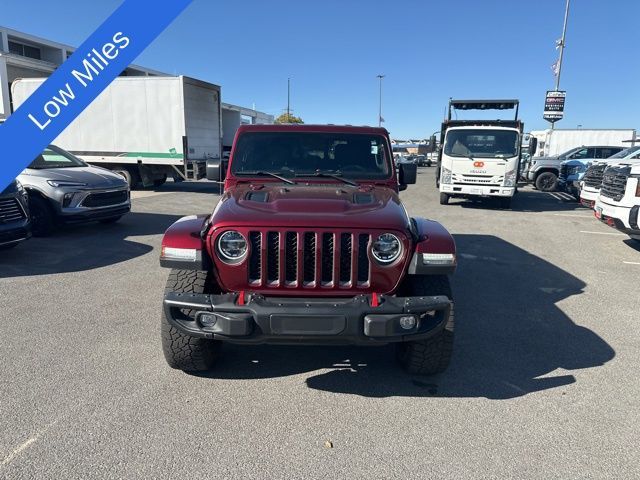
pixel 559 43
pixel 381 119
pixel 555 68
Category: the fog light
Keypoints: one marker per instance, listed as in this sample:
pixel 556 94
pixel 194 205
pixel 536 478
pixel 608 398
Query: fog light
pixel 408 322
pixel 66 200
pixel 208 319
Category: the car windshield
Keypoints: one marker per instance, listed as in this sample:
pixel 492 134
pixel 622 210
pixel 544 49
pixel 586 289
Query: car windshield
pixel 626 152
pixel 481 143
pixel 564 155
pixel 54 157
pixel 289 154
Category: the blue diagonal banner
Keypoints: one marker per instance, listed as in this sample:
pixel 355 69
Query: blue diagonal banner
pixel 79 80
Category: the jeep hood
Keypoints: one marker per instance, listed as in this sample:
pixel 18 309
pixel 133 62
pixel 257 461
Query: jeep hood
pixel 311 205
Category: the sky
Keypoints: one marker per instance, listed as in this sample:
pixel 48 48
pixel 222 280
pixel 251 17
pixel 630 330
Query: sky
pixel 428 51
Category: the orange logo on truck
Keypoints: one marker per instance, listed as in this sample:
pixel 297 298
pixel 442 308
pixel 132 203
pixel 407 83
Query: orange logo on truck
pixel 478 164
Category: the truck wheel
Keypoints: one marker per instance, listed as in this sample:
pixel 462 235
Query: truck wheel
pixel 132 178
pixel 183 352
pixel 444 198
pixel 160 181
pixel 547 182
pixel 505 202
pixel 43 221
pixel 433 355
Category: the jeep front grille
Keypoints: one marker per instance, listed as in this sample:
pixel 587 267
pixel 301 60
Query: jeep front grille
pixel 614 183
pixel 593 175
pixel 308 259
pixel 11 211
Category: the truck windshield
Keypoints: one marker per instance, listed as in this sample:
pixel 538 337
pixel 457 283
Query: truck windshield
pixel 299 154
pixel 54 157
pixel 481 143
pixel 626 152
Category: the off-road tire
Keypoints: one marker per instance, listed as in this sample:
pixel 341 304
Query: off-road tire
pixel 184 352
pixel 547 182
pixel 432 355
pixel 43 220
pixel 444 198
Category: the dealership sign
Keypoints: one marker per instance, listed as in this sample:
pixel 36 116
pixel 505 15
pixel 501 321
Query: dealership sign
pixel 554 105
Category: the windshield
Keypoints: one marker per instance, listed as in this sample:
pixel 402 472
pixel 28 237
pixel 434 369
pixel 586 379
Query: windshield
pixel 626 152
pixel 54 157
pixel 298 153
pixel 481 143
pixel 564 155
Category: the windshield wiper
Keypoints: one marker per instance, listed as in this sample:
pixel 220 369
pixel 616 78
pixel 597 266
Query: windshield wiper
pixel 335 174
pixel 266 174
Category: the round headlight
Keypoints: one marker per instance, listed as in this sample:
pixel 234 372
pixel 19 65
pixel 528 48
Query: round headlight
pixel 386 248
pixel 232 246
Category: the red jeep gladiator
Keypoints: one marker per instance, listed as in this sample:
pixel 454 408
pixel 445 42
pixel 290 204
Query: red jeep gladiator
pixel 310 244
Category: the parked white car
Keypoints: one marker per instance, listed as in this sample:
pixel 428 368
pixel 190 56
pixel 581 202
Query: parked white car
pixel 590 185
pixel 618 202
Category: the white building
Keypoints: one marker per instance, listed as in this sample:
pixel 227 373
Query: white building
pixel 26 56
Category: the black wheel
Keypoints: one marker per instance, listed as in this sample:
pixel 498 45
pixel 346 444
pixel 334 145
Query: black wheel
pixel 433 355
pixel 107 221
pixel 444 198
pixel 183 352
pixel 132 178
pixel 160 181
pixel 43 220
pixel 547 182
pixel 505 202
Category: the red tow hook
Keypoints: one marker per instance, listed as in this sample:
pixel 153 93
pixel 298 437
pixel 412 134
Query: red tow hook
pixel 241 299
pixel 375 301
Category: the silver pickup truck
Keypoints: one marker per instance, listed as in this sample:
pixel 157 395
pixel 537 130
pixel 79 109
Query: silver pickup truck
pixel 543 172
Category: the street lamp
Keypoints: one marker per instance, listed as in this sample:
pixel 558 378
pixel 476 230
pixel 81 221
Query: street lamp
pixel 380 119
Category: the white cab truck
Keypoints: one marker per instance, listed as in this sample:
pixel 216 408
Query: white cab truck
pixel 145 128
pixel 479 158
pixel 592 180
pixel 618 203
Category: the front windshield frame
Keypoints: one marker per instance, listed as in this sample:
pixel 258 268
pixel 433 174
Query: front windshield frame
pixel 463 151
pixel 625 153
pixel 70 162
pixel 302 154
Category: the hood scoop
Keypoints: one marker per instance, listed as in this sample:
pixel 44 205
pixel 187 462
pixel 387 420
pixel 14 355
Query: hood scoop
pixel 361 198
pixel 257 196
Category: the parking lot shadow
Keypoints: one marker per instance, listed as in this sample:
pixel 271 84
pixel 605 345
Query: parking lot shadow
pixel 511 337
pixel 526 200
pixel 76 248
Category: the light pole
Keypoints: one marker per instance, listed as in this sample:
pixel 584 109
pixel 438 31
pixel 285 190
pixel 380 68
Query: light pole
pixel 380 77
pixel 564 33
pixel 288 98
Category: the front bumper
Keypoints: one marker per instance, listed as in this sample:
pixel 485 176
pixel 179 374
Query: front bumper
pixel 477 190
pixel 569 186
pixel 93 214
pixel 305 320
pixel 14 232
pixel 624 219
pixel 588 197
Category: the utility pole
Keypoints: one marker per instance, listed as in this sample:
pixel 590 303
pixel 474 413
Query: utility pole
pixel 380 77
pixel 288 98
pixel 564 34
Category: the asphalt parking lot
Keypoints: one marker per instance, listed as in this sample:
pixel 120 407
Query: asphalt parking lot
pixel 543 382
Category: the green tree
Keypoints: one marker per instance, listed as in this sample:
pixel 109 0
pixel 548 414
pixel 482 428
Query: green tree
pixel 288 118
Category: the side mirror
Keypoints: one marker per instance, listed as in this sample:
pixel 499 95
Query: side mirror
pixel 407 173
pixel 216 170
pixel 533 145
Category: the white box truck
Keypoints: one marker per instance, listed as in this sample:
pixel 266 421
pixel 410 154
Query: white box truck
pixel 552 143
pixel 479 158
pixel 145 128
